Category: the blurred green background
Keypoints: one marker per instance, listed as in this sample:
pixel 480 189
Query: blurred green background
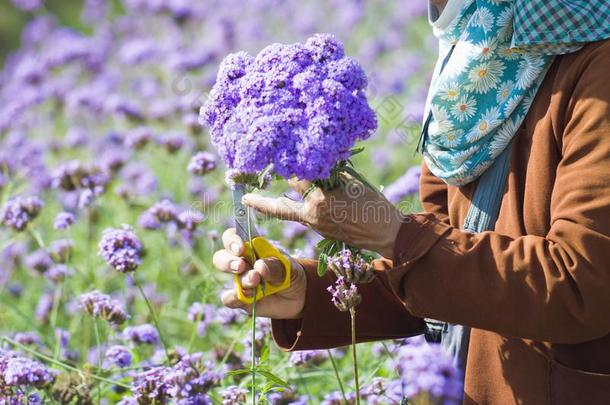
pixel 12 21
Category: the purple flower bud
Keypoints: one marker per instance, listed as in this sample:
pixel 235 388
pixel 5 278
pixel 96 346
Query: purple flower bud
pixel 102 306
pixel 233 395
pixel 202 163
pixel 61 250
pixel 142 334
pixel 119 356
pixel 344 297
pixel 121 249
pixel 19 212
pixel 64 220
pixel 352 267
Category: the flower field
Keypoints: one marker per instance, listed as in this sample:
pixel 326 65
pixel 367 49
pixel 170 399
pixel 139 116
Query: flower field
pixel 113 200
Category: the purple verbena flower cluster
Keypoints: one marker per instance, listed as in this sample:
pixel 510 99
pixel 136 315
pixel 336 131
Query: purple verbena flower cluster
pixel 352 267
pixel 142 334
pixel 345 295
pixel 16 371
pixel 19 212
pixel 121 249
pixel 299 107
pixel 102 306
pixel 202 163
pixel 233 395
pixel 425 369
pixel 119 356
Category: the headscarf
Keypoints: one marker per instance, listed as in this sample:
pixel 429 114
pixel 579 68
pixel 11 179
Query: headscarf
pixel 494 55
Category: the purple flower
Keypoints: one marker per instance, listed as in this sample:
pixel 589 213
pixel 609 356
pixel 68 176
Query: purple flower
pixel 61 250
pixel 203 314
pixel 336 398
pixel 138 137
pixel 28 5
pixel 344 297
pixel 18 212
pixel 39 260
pixel 426 369
pixel 44 307
pixel 16 370
pixel 202 163
pixel 229 316
pixel 58 273
pixel 64 220
pixel 172 142
pixel 298 107
pixel 406 185
pixel 164 211
pixel 287 397
pixel 351 266
pixel 233 395
pixel 102 306
pixel 28 338
pixel 149 386
pixel 191 378
pixel 308 357
pixel 120 356
pixel 121 249
pixel 142 334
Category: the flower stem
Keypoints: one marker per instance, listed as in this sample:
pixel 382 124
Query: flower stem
pixel 254 351
pixel 153 315
pixel 98 342
pixel 332 360
pixel 352 313
pixel 253 260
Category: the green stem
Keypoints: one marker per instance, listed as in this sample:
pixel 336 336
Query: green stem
pixel 51 360
pixel 54 314
pixel 332 360
pixel 98 342
pixel 253 259
pixel 153 315
pixel 254 351
pixel 352 313
pixel 194 332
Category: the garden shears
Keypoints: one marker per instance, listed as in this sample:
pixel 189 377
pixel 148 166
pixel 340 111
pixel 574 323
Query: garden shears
pixel 256 247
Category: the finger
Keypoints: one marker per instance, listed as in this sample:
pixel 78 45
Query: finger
pixel 300 186
pixel 232 242
pixel 229 299
pixel 281 208
pixel 250 280
pixel 224 261
pixel 271 270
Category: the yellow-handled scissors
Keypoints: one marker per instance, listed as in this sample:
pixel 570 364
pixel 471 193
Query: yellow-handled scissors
pixel 258 248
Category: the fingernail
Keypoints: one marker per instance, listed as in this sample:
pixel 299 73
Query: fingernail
pixel 235 247
pixel 234 265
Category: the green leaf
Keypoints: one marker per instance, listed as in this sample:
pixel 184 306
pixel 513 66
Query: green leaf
pixel 264 354
pixel 322 264
pixel 357 150
pixel 272 377
pixel 239 372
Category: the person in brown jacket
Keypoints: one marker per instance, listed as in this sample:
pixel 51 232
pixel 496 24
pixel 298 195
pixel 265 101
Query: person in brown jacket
pixel 534 291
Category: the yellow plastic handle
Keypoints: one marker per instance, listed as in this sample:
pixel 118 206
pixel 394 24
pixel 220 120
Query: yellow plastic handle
pixel 263 249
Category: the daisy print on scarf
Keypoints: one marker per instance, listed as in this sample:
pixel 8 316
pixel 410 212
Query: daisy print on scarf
pixel 480 96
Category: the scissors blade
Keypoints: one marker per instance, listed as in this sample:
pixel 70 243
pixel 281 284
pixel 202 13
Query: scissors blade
pixel 240 214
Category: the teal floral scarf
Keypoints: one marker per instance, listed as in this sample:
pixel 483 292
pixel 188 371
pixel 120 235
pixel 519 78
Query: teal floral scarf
pixel 493 58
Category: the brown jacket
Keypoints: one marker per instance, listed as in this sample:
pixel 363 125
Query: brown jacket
pixel 536 291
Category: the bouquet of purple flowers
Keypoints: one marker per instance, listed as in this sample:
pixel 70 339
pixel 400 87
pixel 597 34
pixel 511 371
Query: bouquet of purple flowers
pixel 293 110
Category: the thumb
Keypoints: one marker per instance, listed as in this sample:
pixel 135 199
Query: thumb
pixel 281 208
pixel 271 270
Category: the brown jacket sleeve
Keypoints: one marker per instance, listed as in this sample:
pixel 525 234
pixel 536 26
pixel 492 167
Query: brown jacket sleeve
pixel 433 194
pixel 553 288
pixel 380 315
